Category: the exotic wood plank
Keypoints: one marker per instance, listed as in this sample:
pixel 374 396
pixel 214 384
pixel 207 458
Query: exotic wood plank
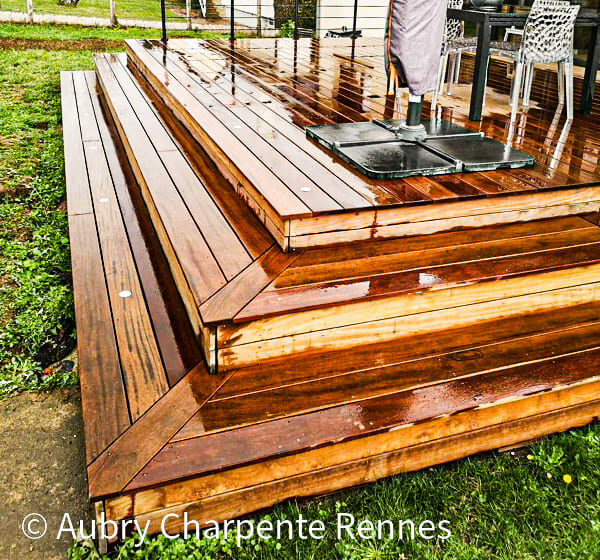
pixel 376 391
pixel 224 244
pixel 278 195
pixel 413 215
pixel 339 476
pixel 276 114
pixel 203 64
pixel 477 307
pixel 367 267
pixel 283 371
pixel 450 240
pixel 104 403
pixel 78 193
pixel 411 229
pixel 483 266
pixel 294 160
pixel 199 265
pixel 141 363
pixel 405 437
pixel 122 460
pixel 228 301
pixel 250 230
pixel 178 346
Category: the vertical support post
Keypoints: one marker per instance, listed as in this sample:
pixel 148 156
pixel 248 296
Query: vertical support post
pixel 354 18
pixel 188 14
pixel 480 69
pixel 30 11
pixel 259 18
pixel 163 19
pixel 113 13
pixel 591 68
pixel 296 10
pixel 232 20
pixel 413 113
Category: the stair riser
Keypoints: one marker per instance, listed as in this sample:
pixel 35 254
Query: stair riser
pixel 390 319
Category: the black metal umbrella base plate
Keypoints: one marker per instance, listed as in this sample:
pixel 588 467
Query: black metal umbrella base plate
pixel 378 150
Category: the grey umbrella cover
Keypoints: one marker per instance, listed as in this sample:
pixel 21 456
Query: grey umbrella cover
pixel 413 45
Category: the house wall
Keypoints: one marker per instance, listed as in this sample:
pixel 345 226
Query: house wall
pixel 333 14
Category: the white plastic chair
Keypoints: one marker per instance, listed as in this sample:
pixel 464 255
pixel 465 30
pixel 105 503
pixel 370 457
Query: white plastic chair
pixel 547 37
pixel 454 44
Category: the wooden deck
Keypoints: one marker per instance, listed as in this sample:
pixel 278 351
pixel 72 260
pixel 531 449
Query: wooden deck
pixel 249 107
pixel 222 374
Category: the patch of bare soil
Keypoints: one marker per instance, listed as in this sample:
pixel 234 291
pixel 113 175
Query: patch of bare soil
pixel 42 470
pixel 96 45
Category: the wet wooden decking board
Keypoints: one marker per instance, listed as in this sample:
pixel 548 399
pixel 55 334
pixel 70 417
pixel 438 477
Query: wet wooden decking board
pixel 140 344
pixel 331 365
pixel 261 94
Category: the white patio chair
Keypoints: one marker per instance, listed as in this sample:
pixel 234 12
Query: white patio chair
pixel 547 37
pixel 454 44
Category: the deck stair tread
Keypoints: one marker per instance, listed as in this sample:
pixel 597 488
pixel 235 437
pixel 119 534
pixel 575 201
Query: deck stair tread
pixel 138 349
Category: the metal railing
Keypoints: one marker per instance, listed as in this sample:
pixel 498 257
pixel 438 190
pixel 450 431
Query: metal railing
pixel 290 18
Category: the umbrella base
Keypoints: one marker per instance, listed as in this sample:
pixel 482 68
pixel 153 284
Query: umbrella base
pixel 390 149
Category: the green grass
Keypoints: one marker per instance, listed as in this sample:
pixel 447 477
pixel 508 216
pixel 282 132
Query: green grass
pixel 129 9
pixel 502 507
pixel 79 33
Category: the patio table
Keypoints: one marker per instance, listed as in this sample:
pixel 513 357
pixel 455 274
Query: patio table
pixel 486 21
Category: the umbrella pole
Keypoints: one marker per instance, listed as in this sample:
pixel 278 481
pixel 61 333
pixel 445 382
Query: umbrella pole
pixel 413 113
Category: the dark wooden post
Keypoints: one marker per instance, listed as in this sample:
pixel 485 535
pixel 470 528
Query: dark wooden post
pixel 163 19
pixel 296 9
pixel 232 21
pixel 354 18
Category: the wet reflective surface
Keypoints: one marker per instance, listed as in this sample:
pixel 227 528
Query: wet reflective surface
pixel 321 82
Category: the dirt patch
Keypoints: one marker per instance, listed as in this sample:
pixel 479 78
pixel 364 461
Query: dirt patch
pixel 95 45
pixel 42 470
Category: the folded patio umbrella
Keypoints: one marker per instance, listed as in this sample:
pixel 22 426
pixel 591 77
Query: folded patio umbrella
pixel 414 34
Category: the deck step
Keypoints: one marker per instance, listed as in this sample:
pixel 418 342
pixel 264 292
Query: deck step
pixel 134 341
pixel 334 365
pixel 251 304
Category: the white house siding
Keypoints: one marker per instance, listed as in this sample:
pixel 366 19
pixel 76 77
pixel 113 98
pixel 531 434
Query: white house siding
pixel 334 14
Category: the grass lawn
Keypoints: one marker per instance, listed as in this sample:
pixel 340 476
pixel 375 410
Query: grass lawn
pixel 511 506
pixel 127 9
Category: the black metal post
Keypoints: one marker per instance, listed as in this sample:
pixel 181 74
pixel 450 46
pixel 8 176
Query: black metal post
pixel 484 35
pixel 163 19
pixel 296 10
pixel 232 21
pixel 413 113
pixel 591 68
pixel 355 17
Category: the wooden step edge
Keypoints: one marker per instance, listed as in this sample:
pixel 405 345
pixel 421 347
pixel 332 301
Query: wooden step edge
pixel 206 336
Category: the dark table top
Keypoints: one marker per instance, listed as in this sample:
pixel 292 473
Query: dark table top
pixel 501 18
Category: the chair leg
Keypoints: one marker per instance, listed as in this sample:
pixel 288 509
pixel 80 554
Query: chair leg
pixel 440 82
pixel 528 84
pixel 569 88
pixel 451 71
pixel 561 82
pixel 516 89
pixel 457 68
